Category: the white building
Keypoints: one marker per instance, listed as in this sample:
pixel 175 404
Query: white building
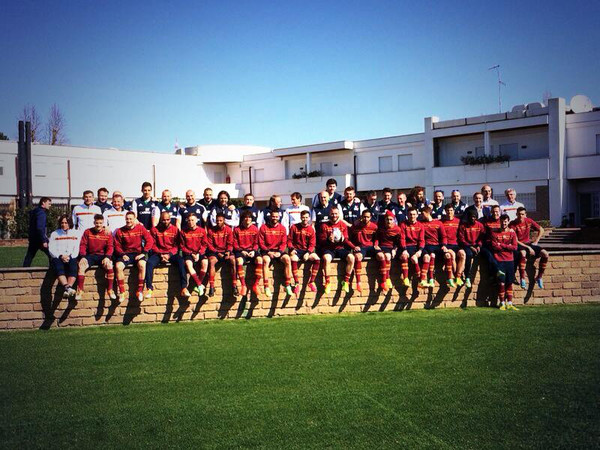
pixel 554 163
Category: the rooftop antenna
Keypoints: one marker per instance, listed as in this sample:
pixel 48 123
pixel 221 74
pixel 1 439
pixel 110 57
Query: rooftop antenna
pixel 500 84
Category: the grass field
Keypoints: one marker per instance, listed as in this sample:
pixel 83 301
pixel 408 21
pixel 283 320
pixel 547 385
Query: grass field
pixel 475 378
pixel 13 257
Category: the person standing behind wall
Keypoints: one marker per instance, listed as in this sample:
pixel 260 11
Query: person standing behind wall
pixel 38 239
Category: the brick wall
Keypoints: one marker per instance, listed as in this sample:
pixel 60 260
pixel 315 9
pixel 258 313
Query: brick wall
pixel 29 298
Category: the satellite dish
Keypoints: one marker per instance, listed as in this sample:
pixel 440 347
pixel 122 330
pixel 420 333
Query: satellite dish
pixel 581 103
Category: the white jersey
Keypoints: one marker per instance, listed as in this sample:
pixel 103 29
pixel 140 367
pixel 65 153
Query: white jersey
pixel 113 219
pixel 510 209
pixel 291 216
pixel 63 243
pixel 83 216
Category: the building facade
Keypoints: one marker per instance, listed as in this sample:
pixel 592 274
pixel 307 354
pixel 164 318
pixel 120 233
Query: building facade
pixel 554 163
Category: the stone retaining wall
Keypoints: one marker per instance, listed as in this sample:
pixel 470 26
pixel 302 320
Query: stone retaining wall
pixel 29 298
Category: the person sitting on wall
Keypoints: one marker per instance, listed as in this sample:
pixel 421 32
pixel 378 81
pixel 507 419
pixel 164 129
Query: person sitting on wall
pixel 63 247
pixel 510 206
pixel 38 240
pixel 523 226
pixel 132 243
pixel 193 242
pixel 96 249
pixel 451 248
pixel 437 205
pixel 364 235
pixel 334 242
pixel 302 241
pixel 435 240
pixel 387 241
pixel 220 249
pixel 491 225
pixel 272 241
pixel 165 249
pixel 245 250
pixel 504 245
pixel 334 197
pixel 225 207
pixel 471 234
pixel 412 243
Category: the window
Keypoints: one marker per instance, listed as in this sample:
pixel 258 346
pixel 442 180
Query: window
pixel 511 150
pixel 326 169
pixel 385 164
pixel 245 175
pixel 259 175
pixel 479 151
pixel 405 162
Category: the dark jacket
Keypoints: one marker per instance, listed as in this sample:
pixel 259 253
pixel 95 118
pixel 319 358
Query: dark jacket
pixel 37 225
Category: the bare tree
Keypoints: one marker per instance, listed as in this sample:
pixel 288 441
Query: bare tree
pixel 55 127
pixel 3 137
pixel 29 114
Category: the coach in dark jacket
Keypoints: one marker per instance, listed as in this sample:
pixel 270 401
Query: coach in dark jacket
pixel 38 240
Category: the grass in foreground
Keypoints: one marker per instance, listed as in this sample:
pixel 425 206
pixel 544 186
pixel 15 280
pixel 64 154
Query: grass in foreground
pixel 13 257
pixel 477 378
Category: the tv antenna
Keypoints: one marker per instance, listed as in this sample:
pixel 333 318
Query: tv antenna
pixel 500 84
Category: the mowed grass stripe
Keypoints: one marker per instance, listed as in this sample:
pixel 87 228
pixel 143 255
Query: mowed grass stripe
pixel 476 378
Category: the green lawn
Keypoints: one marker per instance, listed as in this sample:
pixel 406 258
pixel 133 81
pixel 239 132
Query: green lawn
pixel 475 378
pixel 13 257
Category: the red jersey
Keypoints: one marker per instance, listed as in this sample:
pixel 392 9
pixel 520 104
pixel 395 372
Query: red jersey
pixel 389 237
pixel 491 226
pixel 327 230
pixel 272 239
pixel 96 242
pixel 504 243
pixel 245 239
pixel 193 241
pixel 471 235
pixel 434 232
pixel 364 235
pixel 451 230
pixel 220 241
pixel 133 240
pixel 302 238
pixel 165 240
pixel 412 235
pixel 523 229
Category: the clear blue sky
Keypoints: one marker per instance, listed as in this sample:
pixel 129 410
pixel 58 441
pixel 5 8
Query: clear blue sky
pixel 139 74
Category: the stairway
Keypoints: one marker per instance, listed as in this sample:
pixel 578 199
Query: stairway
pixel 571 239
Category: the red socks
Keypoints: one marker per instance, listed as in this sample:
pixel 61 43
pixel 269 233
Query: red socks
pixel 295 271
pixel 431 267
pixel 80 282
pixel 110 278
pixel 404 263
pixel 314 271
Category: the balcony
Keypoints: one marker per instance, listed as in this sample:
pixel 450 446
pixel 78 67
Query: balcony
pixel 520 170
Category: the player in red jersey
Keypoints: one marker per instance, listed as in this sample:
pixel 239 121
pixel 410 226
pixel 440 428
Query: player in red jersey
pixel 451 248
pixel 435 239
pixel 193 244
pixel 471 234
pixel 165 249
pixel 302 241
pixel 96 249
pixel 491 224
pixel 363 234
pixel 523 226
pixel 412 243
pixel 245 250
pixel 504 244
pixel 272 240
pixel 386 246
pixel 220 249
pixel 132 243
pixel 334 242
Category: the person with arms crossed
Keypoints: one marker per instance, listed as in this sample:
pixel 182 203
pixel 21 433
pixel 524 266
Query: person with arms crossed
pixel 302 242
pixel 63 247
pixel 96 248
pixel 132 243
pixel 165 249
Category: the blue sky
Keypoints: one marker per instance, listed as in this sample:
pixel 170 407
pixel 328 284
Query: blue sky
pixel 138 75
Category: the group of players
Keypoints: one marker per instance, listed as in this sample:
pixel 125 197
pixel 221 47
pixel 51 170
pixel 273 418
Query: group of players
pixel 196 235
